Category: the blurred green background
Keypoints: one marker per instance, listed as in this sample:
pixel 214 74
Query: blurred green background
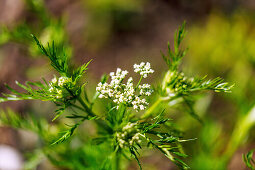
pixel 118 33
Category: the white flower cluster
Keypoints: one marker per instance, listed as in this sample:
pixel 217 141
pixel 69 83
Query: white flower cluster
pixel 139 104
pixel 57 84
pixel 174 82
pixel 120 92
pixel 63 80
pixel 117 90
pixel 145 89
pixel 129 135
pixel 143 69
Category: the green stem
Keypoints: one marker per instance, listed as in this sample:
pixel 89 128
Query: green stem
pixel 86 96
pixel 84 105
pixel 151 110
pixel 138 82
pixel 117 161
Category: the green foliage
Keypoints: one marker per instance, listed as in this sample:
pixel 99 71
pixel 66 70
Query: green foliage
pixel 175 81
pixel 68 133
pixel 119 132
pixel 176 87
pixel 40 92
pixel 165 142
pixel 16 34
pixel 173 58
pixel 58 58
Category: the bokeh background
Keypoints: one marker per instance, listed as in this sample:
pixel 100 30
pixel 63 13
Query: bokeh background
pixel 118 33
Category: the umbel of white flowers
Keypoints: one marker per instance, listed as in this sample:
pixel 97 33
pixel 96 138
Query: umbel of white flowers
pixel 56 86
pixel 120 92
pixel 143 69
pixel 129 135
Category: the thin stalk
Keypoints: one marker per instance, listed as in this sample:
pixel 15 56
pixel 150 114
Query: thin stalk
pixel 117 161
pixel 86 96
pixel 138 82
pixel 93 99
pixel 84 105
pixel 115 158
pixel 88 110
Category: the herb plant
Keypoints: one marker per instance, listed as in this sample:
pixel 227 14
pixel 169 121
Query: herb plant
pixel 135 115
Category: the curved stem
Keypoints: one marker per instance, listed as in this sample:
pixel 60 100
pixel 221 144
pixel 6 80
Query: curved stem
pixel 151 110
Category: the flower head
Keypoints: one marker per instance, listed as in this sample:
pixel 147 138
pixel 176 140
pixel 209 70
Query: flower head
pixel 63 80
pixel 56 86
pixel 145 89
pixel 129 135
pixel 143 69
pixel 125 93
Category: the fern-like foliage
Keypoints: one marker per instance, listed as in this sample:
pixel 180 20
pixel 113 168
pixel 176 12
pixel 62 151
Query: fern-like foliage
pixel 180 88
pixel 173 58
pixel 167 142
pixel 34 91
pixel 59 59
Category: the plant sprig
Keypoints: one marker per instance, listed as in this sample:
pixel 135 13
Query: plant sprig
pixel 119 127
pixel 178 87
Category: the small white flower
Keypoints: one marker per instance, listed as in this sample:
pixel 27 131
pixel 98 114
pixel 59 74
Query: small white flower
pixel 135 107
pixel 139 103
pixel 56 86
